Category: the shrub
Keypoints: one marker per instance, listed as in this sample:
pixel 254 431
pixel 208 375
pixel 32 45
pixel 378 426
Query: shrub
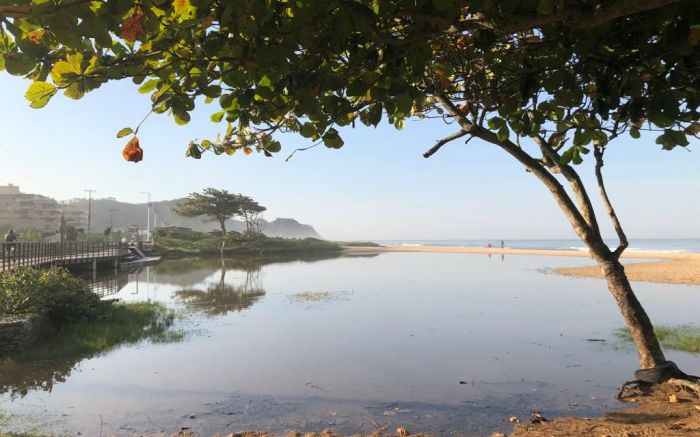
pixel 54 293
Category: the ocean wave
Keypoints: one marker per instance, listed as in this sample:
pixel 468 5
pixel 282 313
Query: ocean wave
pixel 579 248
pixel 639 249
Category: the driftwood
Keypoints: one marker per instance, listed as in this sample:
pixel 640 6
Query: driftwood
pixel 683 383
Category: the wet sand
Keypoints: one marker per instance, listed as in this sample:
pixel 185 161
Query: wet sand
pixel 671 268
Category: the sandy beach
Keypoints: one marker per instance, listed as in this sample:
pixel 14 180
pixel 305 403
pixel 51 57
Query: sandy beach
pixel 664 267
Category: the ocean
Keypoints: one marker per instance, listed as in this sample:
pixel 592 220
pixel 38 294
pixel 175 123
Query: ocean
pixel 647 244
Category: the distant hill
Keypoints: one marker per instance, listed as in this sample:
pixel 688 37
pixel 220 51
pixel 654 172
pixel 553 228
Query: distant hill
pixel 125 215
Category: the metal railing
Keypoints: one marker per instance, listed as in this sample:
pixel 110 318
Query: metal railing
pixel 30 254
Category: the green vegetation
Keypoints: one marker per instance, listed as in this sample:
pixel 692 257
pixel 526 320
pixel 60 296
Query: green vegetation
pixel 682 338
pixel 53 357
pixel 54 293
pixel 216 205
pixel 185 242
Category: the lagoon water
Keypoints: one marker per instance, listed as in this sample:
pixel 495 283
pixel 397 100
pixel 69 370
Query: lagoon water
pixel 452 344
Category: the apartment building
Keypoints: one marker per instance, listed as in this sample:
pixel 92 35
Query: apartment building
pixel 24 212
pixel 74 216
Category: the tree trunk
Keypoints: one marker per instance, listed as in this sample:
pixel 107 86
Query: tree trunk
pixel 641 329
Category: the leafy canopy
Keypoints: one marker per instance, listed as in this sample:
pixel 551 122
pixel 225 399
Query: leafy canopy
pixel 217 205
pixel 573 72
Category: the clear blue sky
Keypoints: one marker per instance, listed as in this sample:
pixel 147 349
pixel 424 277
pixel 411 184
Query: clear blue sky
pixel 377 187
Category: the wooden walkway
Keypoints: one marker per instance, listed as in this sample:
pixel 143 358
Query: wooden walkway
pixel 59 254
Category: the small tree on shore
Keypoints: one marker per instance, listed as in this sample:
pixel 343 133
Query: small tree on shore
pixel 216 205
pixel 250 212
pixel 545 81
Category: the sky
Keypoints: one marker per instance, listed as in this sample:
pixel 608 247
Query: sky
pixel 377 187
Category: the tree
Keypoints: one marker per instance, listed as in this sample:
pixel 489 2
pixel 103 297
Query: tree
pixel 546 81
pixel 217 205
pixel 250 212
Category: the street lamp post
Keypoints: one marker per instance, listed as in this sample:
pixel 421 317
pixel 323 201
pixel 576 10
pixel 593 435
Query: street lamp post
pixel 89 209
pixel 148 220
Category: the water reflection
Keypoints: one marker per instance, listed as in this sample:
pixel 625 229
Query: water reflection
pixel 221 298
pixel 55 355
pixel 106 282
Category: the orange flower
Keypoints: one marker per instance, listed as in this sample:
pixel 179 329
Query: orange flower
pixel 133 152
pixel 131 29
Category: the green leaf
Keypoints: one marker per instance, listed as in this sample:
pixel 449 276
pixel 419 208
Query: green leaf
pixel 217 116
pixel 495 123
pixel 18 64
pixel 274 147
pixel 39 94
pixel 181 118
pixel 124 132
pixel 183 9
pixel 193 151
pixel 634 133
pixel 148 86
pixel 332 139
pixel 64 73
pixel 503 133
pixel 567 156
pixel 307 130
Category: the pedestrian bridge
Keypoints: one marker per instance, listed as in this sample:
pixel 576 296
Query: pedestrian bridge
pixel 39 255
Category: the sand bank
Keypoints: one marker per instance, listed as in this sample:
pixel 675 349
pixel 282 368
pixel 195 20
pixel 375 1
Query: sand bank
pixel 672 268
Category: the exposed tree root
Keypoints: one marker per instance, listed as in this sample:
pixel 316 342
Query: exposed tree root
pixel 691 386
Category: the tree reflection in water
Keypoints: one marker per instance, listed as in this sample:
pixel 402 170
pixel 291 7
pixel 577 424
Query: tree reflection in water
pixel 221 298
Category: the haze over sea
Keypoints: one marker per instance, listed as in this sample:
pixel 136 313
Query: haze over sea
pixel 678 245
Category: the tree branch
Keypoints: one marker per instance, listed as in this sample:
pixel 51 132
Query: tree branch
pixel 598 153
pixel 581 227
pixel 442 142
pixel 582 198
pixel 19 11
pixel 580 18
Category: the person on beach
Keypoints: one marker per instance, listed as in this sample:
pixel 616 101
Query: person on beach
pixel 503 244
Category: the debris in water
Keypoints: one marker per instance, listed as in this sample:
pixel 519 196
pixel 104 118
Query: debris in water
pixel 402 431
pixel 514 419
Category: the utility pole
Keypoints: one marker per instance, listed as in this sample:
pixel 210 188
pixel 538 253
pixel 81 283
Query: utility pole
pixel 89 208
pixel 148 221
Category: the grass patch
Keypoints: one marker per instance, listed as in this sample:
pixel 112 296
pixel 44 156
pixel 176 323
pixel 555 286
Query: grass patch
pixel 52 358
pixel 684 338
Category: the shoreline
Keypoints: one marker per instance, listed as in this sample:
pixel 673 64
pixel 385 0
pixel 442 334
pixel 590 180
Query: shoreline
pixel 666 267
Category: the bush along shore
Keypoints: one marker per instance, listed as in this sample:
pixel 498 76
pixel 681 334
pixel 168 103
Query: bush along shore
pixel 174 242
pixel 69 319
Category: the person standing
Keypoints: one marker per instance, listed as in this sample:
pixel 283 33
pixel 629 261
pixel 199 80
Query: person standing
pixel 10 241
pixel 503 244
